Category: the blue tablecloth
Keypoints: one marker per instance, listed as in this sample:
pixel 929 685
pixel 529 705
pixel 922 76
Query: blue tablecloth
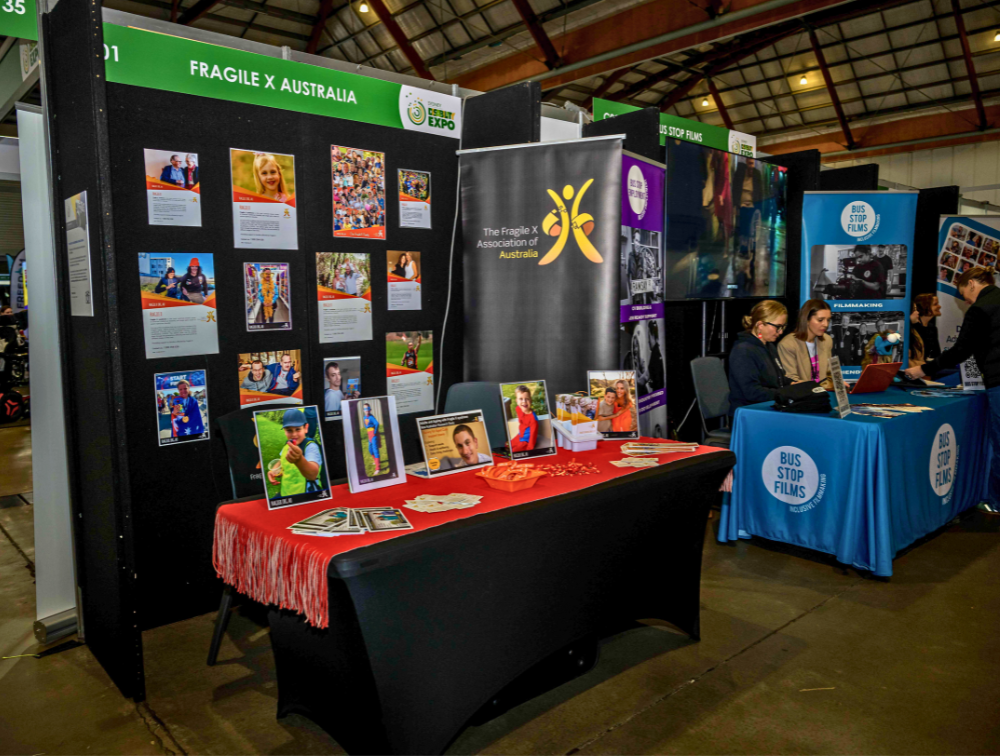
pixel 860 488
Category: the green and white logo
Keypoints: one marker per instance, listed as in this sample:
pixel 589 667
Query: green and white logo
pixel 417 113
pixel 430 112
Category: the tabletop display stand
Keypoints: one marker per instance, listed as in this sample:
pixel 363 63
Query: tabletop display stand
pixel 144 513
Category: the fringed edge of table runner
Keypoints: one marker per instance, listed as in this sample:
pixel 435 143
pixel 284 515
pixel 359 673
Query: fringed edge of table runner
pixel 271 570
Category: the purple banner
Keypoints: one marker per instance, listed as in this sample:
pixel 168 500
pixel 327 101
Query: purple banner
pixel 651 401
pixel 632 313
pixel 642 194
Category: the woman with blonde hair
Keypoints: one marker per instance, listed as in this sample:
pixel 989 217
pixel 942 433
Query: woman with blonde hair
pixel 622 422
pixel 268 177
pixel 979 338
pixel 755 371
pixel 411 267
pixel 805 353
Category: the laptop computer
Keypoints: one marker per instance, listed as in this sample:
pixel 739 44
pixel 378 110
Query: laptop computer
pixel 876 377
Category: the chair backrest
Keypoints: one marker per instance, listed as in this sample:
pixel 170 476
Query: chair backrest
pixel 711 386
pixel 484 396
pixel 239 435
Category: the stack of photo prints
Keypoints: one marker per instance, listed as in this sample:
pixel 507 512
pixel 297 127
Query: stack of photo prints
pixel 340 521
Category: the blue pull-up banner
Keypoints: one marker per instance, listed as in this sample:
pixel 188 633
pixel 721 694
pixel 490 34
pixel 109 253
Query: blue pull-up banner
pixel 857 254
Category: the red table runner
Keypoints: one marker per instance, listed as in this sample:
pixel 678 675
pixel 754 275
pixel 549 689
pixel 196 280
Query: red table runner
pixel 256 553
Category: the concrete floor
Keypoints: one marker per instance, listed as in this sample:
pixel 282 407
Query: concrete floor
pixel 796 658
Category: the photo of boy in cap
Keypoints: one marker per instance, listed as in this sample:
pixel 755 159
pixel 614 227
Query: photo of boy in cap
pixel 291 450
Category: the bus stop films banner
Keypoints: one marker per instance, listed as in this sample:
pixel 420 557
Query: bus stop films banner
pixel 181 407
pixel 641 289
pixel 179 315
pixel 857 256
pixel 554 242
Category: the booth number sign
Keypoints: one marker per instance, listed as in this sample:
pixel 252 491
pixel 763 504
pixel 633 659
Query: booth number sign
pixel 18 19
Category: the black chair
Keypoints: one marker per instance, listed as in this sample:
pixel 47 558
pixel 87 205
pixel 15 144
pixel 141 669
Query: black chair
pixel 239 435
pixel 711 387
pixel 480 395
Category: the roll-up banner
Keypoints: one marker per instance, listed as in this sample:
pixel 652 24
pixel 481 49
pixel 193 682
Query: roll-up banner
pixel 540 225
pixel 641 288
pixel 963 243
pixel 857 255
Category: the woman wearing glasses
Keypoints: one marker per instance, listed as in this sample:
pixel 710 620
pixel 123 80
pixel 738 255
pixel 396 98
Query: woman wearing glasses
pixel 755 372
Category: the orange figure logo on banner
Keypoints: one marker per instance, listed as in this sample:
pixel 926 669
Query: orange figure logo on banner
pixel 210 317
pixel 560 221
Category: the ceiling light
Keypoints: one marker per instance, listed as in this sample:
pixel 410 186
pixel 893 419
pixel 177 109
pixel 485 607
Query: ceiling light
pixel 364 7
pixel 803 80
pixel 704 103
pixel 996 37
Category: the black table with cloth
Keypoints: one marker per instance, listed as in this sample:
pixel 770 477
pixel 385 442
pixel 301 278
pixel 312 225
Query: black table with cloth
pixel 426 627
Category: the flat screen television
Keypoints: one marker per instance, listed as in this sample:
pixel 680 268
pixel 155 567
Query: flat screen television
pixel 725 234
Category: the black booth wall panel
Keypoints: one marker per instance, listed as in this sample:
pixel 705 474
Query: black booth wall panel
pixel 931 205
pixel 177 488
pixel 98 448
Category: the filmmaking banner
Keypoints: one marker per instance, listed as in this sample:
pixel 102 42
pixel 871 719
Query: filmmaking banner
pixel 541 225
pixel 857 250
pixel 963 244
pixel 641 288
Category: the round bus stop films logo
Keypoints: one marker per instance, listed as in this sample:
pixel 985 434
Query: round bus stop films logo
pixel 944 458
pixel 638 191
pixel 859 220
pixel 790 475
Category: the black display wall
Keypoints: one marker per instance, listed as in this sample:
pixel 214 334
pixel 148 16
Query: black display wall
pixel 931 205
pixel 94 367
pixel 853 178
pixel 174 523
pixel 171 493
pixel 640 127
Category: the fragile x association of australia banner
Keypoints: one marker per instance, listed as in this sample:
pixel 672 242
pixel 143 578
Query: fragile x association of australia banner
pixel 541 224
pixel 857 250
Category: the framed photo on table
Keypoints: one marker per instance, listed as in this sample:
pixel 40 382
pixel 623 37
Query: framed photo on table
pixel 371 442
pixel 291 456
pixel 527 419
pixel 617 413
pixel 453 443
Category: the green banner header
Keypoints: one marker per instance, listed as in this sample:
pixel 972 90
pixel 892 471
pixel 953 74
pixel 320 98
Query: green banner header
pixel 199 68
pixel 18 18
pixel 675 127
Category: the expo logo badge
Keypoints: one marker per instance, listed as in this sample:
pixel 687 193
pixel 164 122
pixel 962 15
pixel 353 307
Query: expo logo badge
pixel 791 476
pixel 860 220
pixel 943 462
pixel 417 113
pixel 638 191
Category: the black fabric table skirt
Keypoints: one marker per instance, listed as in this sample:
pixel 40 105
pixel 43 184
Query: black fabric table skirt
pixel 425 629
